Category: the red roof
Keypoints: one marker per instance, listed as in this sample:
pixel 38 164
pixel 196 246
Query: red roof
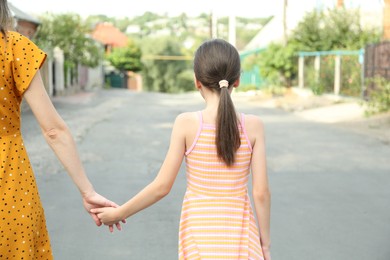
pixel 108 34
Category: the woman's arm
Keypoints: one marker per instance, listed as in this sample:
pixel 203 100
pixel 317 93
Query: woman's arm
pixel 260 189
pixel 62 143
pixel 160 186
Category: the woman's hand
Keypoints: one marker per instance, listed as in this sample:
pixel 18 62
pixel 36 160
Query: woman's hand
pixel 93 200
pixel 108 215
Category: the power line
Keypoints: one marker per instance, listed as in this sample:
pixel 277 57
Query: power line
pixel 166 57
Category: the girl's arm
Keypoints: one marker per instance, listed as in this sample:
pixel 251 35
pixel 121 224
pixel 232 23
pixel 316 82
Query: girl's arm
pixel 160 186
pixel 260 189
pixel 62 143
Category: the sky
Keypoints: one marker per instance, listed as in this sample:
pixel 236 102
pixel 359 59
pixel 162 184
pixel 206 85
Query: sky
pixel 128 8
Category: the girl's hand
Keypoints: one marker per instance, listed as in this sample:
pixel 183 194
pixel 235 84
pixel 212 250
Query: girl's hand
pixel 93 200
pixel 108 215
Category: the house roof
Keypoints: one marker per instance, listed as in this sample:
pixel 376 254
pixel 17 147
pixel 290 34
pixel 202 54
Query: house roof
pixel 108 34
pixel 19 14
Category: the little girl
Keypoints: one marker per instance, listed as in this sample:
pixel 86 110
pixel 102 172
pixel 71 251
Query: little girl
pixel 220 147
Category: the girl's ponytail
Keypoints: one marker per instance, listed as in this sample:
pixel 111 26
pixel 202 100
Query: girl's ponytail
pixel 228 135
pixel 217 66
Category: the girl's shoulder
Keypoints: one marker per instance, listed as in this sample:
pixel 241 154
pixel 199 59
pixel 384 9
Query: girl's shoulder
pixel 253 123
pixel 252 119
pixel 187 123
pixel 187 119
pixel 188 116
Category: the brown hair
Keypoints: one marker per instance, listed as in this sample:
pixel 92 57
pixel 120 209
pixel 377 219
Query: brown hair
pixel 5 17
pixel 217 60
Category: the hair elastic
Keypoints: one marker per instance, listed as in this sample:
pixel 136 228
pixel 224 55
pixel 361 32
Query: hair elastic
pixel 224 83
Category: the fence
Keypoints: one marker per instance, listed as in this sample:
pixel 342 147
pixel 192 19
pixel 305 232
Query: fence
pixel 340 72
pixel 377 60
pixel 251 74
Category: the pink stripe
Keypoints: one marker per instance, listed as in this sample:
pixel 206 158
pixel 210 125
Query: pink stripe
pixel 217 169
pixel 236 188
pixel 217 210
pixel 214 152
pixel 214 235
pixel 220 163
pixel 219 181
pixel 220 246
pixel 232 220
pixel 201 175
pixel 219 194
pixel 224 254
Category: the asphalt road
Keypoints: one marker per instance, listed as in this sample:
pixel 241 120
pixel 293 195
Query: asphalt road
pixel 330 187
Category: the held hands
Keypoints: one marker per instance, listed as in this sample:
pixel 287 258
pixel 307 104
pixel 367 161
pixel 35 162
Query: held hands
pixel 108 215
pixel 93 200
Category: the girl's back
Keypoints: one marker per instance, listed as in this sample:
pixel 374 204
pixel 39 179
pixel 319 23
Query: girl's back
pixel 217 218
pixel 207 174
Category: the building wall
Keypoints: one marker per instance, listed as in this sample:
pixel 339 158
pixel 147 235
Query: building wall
pixel 28 29
pixel 95 77
pixel 386 20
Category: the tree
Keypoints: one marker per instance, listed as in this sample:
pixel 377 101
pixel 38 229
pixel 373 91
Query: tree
pixel 71 35
pixel 126 58
pixel 158 74
pixel 334 29
pixel 92 20
pixel 309 33
pixel 278 63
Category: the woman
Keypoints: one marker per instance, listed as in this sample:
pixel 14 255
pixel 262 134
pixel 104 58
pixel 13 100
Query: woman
pixel 23 232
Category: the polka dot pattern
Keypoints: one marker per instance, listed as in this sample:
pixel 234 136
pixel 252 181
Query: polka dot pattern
pixel 23 232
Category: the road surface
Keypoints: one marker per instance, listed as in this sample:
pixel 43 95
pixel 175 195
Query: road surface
pixel 330 187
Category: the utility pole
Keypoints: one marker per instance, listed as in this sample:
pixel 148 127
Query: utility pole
pixel 284 22
pixel 213 25
pixel 232 30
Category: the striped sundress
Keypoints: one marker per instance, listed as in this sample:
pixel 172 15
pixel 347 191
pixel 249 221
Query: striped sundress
pixel 217 220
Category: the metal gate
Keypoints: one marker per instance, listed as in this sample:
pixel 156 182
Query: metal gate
pixel 377 60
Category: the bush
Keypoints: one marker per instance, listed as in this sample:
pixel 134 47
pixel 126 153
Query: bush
pixel 162 74
pixel 378 96
pixel 351 79
pixel 244 88
pixel 275 90
pixel 350 75
pixel 278 64
pixel 126 58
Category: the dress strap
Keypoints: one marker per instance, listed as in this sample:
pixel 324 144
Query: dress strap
pixel 244 131
pixel 200 116
pixel 242 119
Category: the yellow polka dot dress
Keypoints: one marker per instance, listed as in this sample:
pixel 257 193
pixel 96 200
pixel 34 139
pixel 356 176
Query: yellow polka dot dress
pixel 23 233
